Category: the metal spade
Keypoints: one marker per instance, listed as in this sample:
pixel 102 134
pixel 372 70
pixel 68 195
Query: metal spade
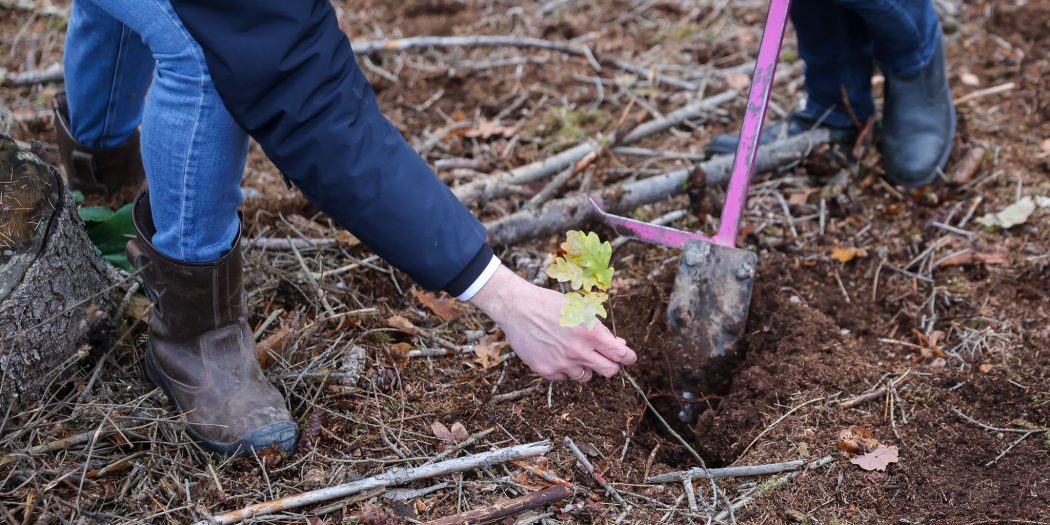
pixel 712 290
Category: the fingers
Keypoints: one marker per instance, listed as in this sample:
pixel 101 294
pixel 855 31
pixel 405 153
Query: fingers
pixel 600 364
pixel 612 347
pixel 581 375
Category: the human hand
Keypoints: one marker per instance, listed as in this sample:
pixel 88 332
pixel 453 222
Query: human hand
pixel 529 317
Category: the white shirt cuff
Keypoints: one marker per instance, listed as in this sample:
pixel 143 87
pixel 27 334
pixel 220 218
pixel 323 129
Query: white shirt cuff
pixel 481 281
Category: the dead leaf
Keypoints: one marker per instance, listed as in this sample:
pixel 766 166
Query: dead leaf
pixel 444 307
pixel 993 258
pixel 138 308
pixel 845 255
pixel 877 459
pixel 399 353
pixel 347 239
pixel 1012 215
pixel 441 431
pixel 402 324
pixel 737 81
pixel 970 79
pixel 801 197
pixel 269 349
pixel 857 440
pixel 986 367
pixel 459 432
pixel 305 224
pixel 490 128
pixel 488 351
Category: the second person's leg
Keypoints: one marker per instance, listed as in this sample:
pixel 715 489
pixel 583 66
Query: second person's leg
pixel 918 117
pixel 108 70
pixel 837 51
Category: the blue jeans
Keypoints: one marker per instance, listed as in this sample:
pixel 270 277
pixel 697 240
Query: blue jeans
pixel 840 40
pixel 193 151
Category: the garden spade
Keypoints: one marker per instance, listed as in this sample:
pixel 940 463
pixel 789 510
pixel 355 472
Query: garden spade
pixel 712 291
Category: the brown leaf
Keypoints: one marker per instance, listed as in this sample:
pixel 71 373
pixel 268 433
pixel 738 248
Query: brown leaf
pixel 490 128
pixel 347 239
pixel 399 353
pixel 965 258
pixel 857 440
pixel 845 255
pixel 487 351
pixel 459 432
pixel 877 459
pixel 269 349
pixel 139 308
pixel 444 307
pixel 986 367
pixel 441 431
pixel 737 81
pixel 402 324
pixel 801 197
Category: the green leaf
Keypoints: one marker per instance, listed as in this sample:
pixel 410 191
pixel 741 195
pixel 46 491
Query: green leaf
pixel 112 234
pixel 90 214
pixel 78 196
pixel 582 308
pixel 120 260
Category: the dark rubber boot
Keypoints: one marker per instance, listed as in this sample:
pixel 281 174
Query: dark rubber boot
pixel 101 171
pixel 201 351
pixel 794 124
pixel 918 124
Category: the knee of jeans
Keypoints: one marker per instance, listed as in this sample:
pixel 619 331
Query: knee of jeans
pixel 185 63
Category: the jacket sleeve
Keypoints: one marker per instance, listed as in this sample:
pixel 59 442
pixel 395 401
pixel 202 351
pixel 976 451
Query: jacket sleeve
pixel 287 74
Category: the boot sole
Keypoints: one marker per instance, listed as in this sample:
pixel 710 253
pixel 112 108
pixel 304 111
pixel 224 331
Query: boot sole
pixel 285 440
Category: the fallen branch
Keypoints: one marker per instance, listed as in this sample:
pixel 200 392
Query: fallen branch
pixel 770 486
pixel 52 73
pixel 748 470
pixel 61 444
pixel 612 492
pixel 873 395
pixel 501 185
pixel 275 243
pixel 570 212
pixel 393 477
pixel 507 508
pixel 515 395
pixel 34 7
pixel 369 47
pixel 994 90
pixel 988 427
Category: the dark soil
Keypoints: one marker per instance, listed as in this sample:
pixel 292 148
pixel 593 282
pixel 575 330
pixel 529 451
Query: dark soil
pixel 820 331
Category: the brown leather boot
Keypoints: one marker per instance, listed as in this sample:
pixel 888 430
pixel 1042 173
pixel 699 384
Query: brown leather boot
pixel 102 171
pixel 201 351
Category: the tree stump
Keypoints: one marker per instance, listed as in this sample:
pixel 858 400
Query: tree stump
pixel 55 289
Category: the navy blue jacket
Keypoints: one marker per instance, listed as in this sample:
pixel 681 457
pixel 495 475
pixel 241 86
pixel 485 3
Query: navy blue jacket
pixel 287 74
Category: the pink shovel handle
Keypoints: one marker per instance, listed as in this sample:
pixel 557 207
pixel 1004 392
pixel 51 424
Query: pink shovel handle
pixel 754 116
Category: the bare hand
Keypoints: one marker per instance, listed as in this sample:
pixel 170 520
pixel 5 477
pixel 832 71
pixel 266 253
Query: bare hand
pixel 529 316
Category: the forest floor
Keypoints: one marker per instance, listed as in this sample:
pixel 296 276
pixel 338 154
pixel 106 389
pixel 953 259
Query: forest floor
pixel 859 287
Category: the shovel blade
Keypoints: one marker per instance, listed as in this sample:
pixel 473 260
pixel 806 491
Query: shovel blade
pixel 711 298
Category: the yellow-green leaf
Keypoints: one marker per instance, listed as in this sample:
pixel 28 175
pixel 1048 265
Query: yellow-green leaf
pixel 569 272
pixel 586 262
pixel 582 308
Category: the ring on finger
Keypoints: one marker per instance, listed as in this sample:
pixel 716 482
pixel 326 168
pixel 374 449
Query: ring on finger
pixel 581 376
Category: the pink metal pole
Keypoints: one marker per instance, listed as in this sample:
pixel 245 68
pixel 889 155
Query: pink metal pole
pixel 754 117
